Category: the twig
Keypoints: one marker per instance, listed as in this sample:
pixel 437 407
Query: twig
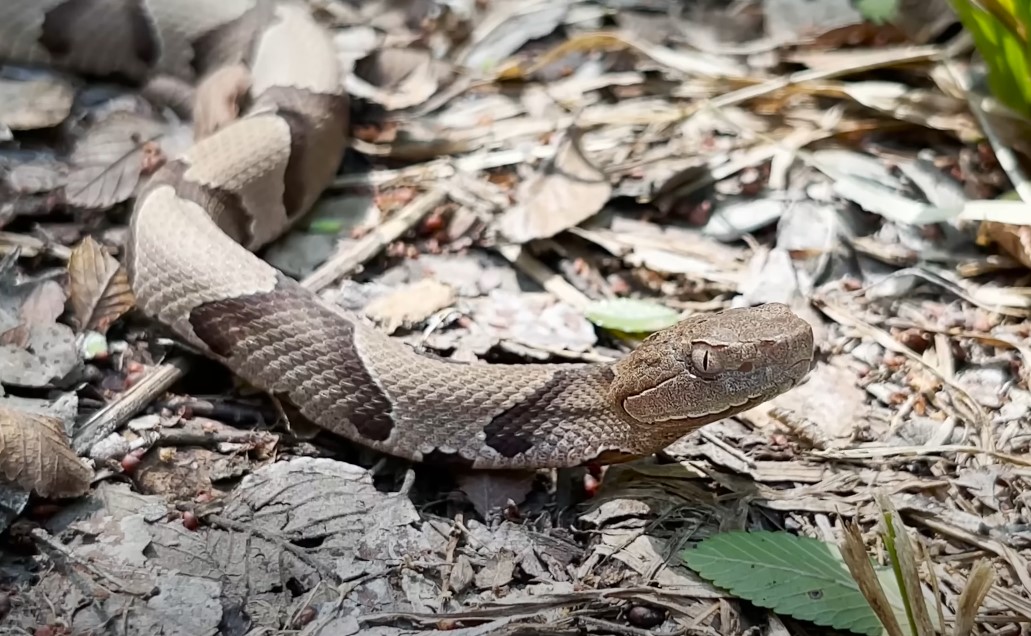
pixel 1018 565
pixel 237 414
pixel 539 272
pixel 445 168
pixel 881 452
pixel 868 62
pixel 628 630
pixel 371 244
pixel 181 437
pixel 110 418
pixel 447 573
pixel 32 246
pixel 1007 159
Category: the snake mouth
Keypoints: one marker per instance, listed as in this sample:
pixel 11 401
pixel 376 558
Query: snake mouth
pixel 669 401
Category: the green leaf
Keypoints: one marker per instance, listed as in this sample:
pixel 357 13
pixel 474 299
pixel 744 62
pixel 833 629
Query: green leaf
pixel 1003 47
pixel 878 11
pixel 631 316
pixel 326 226
pixel 796 576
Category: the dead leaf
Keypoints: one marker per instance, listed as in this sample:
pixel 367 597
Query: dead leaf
pixel 100 290
pixel 1014 240
pixel 400 78
pixel 497 573
pixel 49 355
pixel 17 336
pixel 570 191
pixel 681 61
pixel 533 320
pixel 505 29
pixel 800 20
pixel 44 305
pixel 35 455
pixel 922 107
pixel 410 304
pixel 109 159
pixel 490 490
pixel 35 176
pixel 34 104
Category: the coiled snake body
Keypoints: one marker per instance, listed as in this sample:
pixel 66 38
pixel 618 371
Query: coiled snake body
pixel 247 178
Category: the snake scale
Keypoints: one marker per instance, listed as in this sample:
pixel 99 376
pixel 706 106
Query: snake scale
pixel 253 170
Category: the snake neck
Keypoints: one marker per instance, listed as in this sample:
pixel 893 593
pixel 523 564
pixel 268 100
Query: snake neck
pixel 504 416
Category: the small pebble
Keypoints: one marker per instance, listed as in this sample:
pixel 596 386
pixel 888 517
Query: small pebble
pixel 130 463
pixel 190 521
pixel 645 617
pixel 306 615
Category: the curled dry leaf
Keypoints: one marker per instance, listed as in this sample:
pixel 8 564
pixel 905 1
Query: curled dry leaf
pixel 400 78
pixel 569 192
pixel 35 455
pixel 100 290
pixel 505 29
pixel 1014 240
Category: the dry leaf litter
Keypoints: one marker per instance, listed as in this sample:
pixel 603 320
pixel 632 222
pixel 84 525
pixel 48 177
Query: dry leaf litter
pixel 513 163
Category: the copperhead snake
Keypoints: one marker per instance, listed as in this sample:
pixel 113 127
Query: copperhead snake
pixel 248 176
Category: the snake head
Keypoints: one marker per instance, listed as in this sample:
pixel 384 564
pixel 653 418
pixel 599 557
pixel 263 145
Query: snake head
pixel 711 366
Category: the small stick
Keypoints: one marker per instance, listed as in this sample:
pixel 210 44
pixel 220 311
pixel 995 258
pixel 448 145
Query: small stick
pixel 372 243
pixel 180 437
pixel 628 630
pixel 544 276
pixel 110 418
pixel 32 246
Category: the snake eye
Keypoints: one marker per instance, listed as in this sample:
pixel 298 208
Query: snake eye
pixel 705 364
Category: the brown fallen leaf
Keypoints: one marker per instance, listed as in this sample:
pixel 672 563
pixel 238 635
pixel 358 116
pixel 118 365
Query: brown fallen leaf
pixel 35 455
pixel 109 160
pixel 494 489
pixel 569 191
pixel 43 306
pixel 410 304
pixel 1014 240
pixel 402 77
pixel 99 287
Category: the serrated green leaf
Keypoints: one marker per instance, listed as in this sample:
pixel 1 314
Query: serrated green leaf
pixel 878 11
pixel 630 315
pixel 796 576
